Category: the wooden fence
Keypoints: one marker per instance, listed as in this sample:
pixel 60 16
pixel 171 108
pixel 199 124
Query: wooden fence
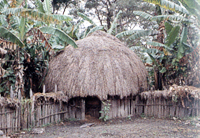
pixel 29 115
pixel 43 109
pixel 169 106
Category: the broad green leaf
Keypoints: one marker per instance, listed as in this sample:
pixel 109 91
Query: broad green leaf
pixel 168 27
pixel 114 23
pixel 143 14
pixel 14 11
pixel 76 27
pixel 40 6
pixel 171 17
pixel 152 58
pixel 62 17
pixel 161 17
pixel 86 18
pixel 32 14
pixel 7 35
pixel 127 33
pixel 181 48
pixel 171 37
pixel 22 29
pixel 59 33
pixel 141 33
pixel 166 4
pixel 157 44
pixel 95 29
pixel 163 70
pixel 47 6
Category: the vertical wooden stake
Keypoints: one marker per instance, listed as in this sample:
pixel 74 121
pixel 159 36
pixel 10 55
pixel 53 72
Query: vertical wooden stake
pixel 19 95
pixel 31 93
pixel 55 88
pixel 11 93
pixel 43 90
pixel 32 111
pixel 82 109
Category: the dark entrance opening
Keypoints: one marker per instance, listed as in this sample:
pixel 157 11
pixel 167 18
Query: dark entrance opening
pixel 92 106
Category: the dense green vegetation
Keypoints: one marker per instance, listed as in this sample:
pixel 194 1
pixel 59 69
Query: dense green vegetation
pixel 166 38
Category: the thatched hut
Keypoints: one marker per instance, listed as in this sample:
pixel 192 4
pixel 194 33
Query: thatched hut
pixel 100 68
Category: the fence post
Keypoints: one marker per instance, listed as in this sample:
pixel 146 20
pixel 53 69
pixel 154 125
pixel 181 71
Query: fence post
pixel 43 90
pixel 55 88
pixel 19 111
pixel 31 93
pixel 11 93
pixel 32 112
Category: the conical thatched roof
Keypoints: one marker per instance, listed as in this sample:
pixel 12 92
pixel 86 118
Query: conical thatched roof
pixel 100 66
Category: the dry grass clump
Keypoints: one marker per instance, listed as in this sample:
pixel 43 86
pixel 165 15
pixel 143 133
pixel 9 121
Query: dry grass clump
pixel 56 97
pixel 8 102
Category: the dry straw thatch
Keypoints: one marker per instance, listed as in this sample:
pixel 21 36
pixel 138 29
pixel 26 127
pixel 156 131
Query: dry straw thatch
pixel 55 97
pixel 8 102
pixel 100 66
pixel 174 90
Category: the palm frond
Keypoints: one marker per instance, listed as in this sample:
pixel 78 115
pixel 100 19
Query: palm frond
pixel 60 34
pixel 86 18
pixel 142 33
pixel 169 5
pixel 114 23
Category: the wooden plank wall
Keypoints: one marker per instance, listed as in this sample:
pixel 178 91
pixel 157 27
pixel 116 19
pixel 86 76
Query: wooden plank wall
pixel 77 109
pixel 123 107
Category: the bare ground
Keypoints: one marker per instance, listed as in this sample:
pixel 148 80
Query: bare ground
pixel 132 127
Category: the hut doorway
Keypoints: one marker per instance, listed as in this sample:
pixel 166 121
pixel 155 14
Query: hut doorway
pixel 92 106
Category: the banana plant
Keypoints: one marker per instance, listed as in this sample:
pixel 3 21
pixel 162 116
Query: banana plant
pixel 20 34
pixel 169 52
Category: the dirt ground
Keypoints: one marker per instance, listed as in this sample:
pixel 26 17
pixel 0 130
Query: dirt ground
pixel 131 127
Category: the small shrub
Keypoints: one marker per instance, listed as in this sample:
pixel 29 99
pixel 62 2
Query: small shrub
pixel 105 111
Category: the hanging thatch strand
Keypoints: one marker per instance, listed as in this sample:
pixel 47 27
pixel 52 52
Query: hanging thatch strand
pixel 100 66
